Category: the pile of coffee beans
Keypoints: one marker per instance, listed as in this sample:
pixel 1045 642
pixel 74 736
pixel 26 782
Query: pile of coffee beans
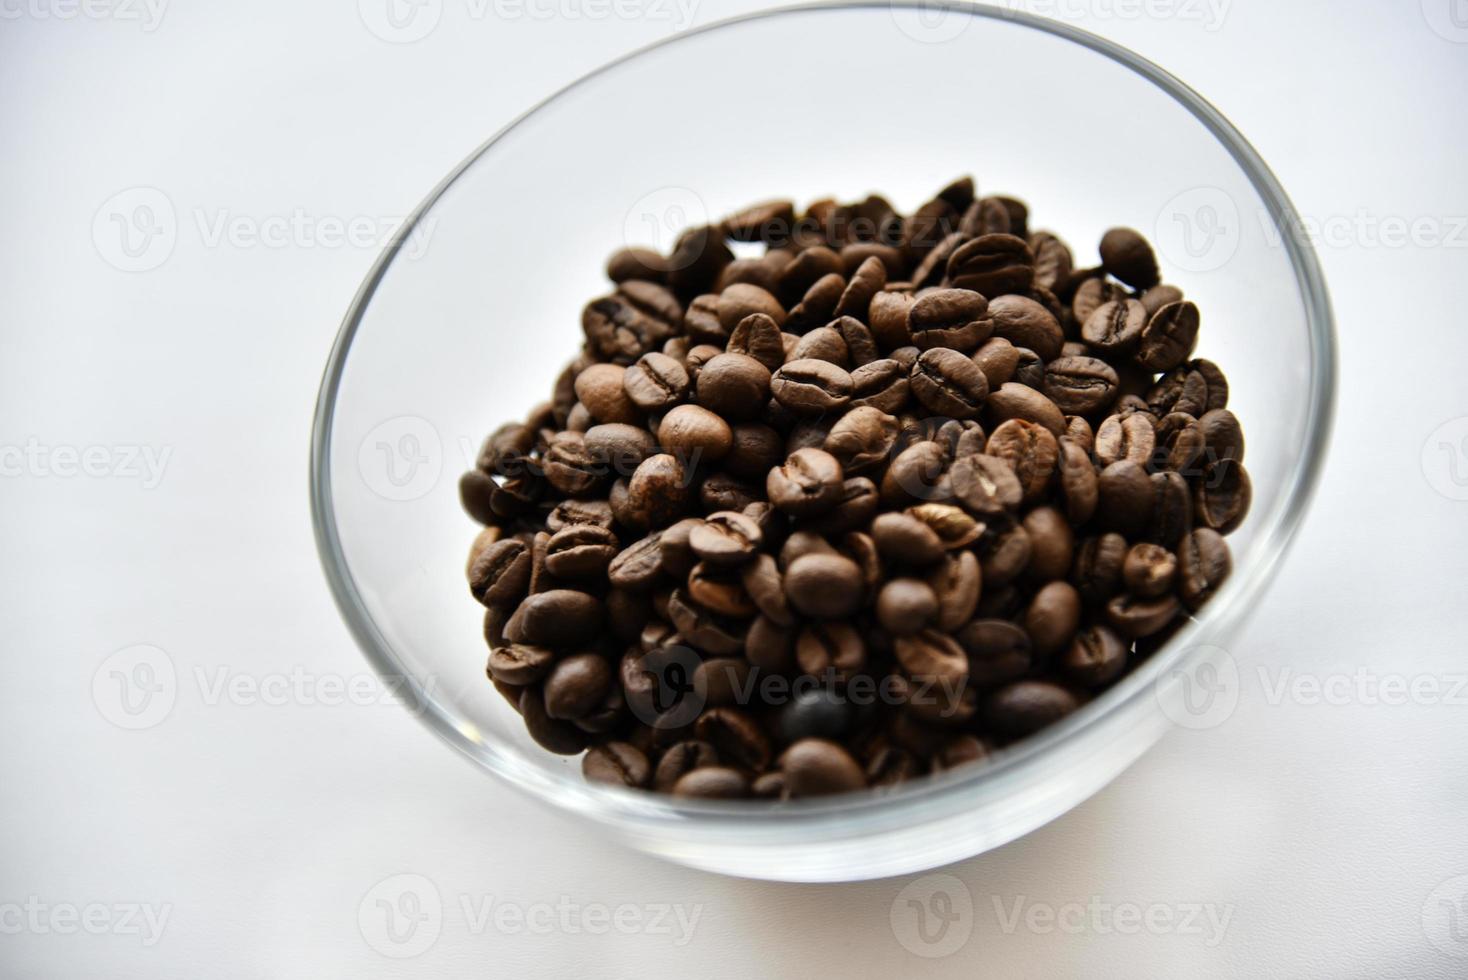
pixel 833 499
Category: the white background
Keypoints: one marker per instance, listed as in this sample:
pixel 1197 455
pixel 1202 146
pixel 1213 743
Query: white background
pixel 1329 835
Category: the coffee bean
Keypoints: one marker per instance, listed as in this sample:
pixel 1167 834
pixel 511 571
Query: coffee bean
pixel 953 318
pixel 1128 257
pixel 1180 443
pixel 1124 497
pixel 1203 565
pixel 1091 295
pixel 1097 572
pixel 955 528
pixel 1017 401
pixel 735 736
pixel 742 300
pixel 769 645
pixel 702 322
pixel 824 586
pixel 862 440
pixel 1169 336
pixel 1222 496
pixel 718 589
pixel 500 574
pixel 1172 509
pixel 634 320
pixel 579 552
pixel 956 581
pixel 818 767
pixel 1052 618
pixel 726 538
pixel 808 484
pixel 1031 451
pixel 1125 437
pixel 758 336
pixel 997 651
pixel 811 387
pixel 635 263
pixel 905 605
pixel 681 758
pixel 993 265
pixel 519 664
pixel 617 764
pixel 637 566
pixel 1115 329
pixel 1223 437
pixel 734 386
pixel 856 507
pixel 658 492
pixel 712 783
pixel 985 217
pixel 1080 385
pixel 948 383
pixel 570 467
pixel 933 657
pixel 1052 544
pixel 766 221
pixel 1094 658
pixel 1194 388
pixel 1149 570
pixel 599 388
pixel 575 685
pixel 986 485
pixel 818 712
pixel 866 282
pixel 1053 260
pixel 1135 617
pixel 1159 296
pixel 703 629
pixel 551 734
pixel 560 618
pixel 1025 323
pixel 1026 706
pixel 1076 477
pixel 1005 555
pixel 754 448
pixel 904 539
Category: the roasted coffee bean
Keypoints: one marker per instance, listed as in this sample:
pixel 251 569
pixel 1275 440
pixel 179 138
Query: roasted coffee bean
pixel 1026 706
pixel 560 618
pixel 811 387
pixel 1017 401
pixel 570 467
pixel 1115 329
pixel 998 359
pixel 1222 495
pixel 576 685
pixel 619 447
pixel 819 712
pixel 818 767
pixel 1134 617
pixel 808 484
pixel 1029 370
pixel 824 586
pixel 1052 618
pixel 1091 295
pixel 1128 437
pixel 637 566
pixel 769 645
pixel 635 263
pixel 997 651
pixel 1076 477
pixel 993 265
pixel 1180 443
pixel 1128 257
pixel 743 300
pixel 919 473
pixel 765 585
pixel 818 306
pixel 858 504
pixel 953 318
pixel 551 734
pixel 955 528
pixel 804 542
pixel 1052 544
pixel 723 681
pixel 1053 260
pixel 1169 336
pixel 1223 437
pixel 758 336
pixel 582 551
pixel 1124 497
pixel 617 764
pixel 822 344
pixel 768 221
pixel 1097 572
pixel 1195 388
pixel 726 538
pixel 1031 451
pixel 1172 509
pixel 476 496
pixel 1203 565
pixel 519 664
pixel 957 582
pixel 754 448
pixel 658 492
pixel 932 656
pixel 681 758
pixel 599 388
pixel 712 783
pixel 931 271
pixel 735 736
pixel 861 346
pixel 862 440
pixel 905 605
pixel 986 485
pixel 866 282
pixel 1149 570
pixel 948 383
pixel 881 384
pixel 734 386
pixel 1159 296
pixel 985 217
pixel 719 590
pixel 1025 323
pixel 961 750
pixel 701 628
pixel 1080 385
pixel 694 434
pixel 500 575
pixel 634 320
pixel 1094 658
pixel 906 540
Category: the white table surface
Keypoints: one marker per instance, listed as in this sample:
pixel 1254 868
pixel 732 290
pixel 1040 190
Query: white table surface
pixel 242 834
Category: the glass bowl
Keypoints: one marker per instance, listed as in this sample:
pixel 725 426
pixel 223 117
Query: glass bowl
pixel 465 321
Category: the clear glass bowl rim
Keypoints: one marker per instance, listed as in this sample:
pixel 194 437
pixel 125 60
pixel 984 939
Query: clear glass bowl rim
pixel 946 792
